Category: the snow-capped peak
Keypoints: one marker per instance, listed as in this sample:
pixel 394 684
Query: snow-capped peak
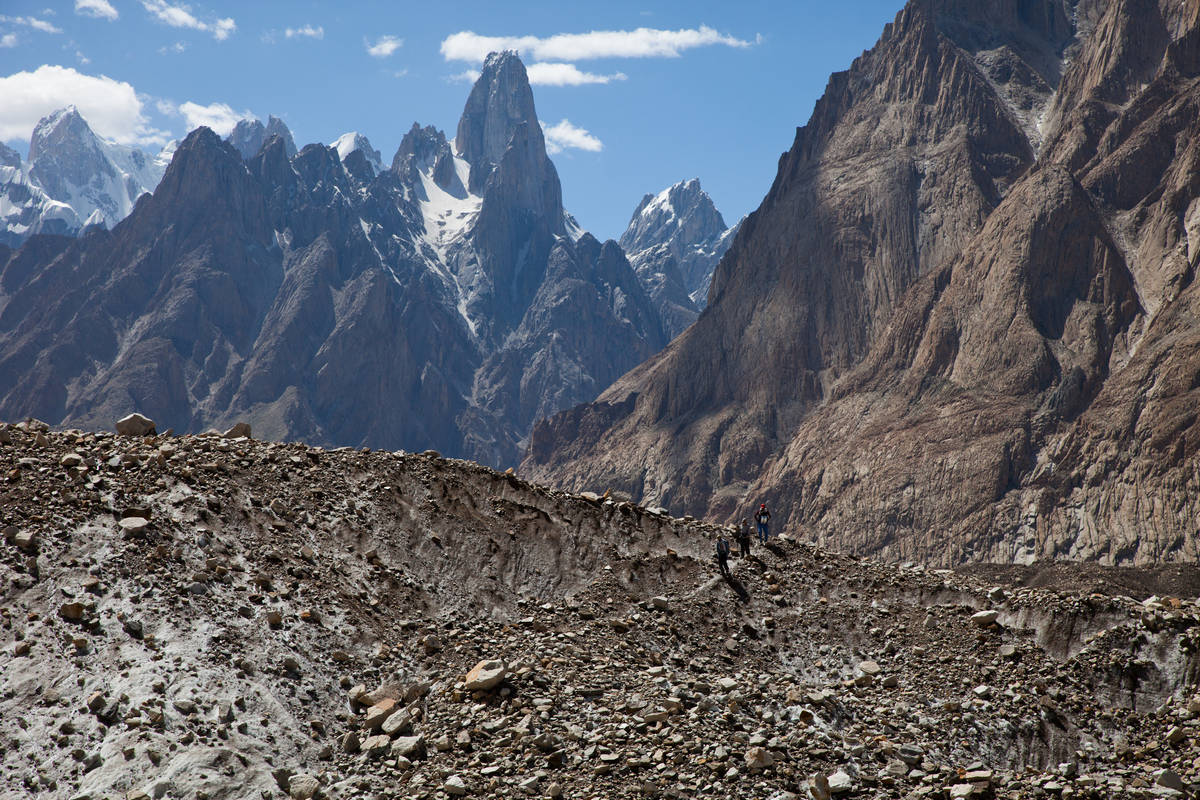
pixel 347 143
pixel 73 178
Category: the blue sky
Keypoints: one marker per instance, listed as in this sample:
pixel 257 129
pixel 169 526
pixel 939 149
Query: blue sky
pixel 677 90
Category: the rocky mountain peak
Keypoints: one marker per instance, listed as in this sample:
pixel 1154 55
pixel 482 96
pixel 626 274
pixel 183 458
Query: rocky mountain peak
pixel 63 150
pixel 674 240
pixel 249 135
pixel 500 102
pixel 9 157
pixel 426 149
pixel 354 141
pixel 683 212
pixel 56 128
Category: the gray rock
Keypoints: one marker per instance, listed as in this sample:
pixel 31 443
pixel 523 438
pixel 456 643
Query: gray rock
pixel 303 786
pixel 135 424
pixel 984 619
pixel 487 674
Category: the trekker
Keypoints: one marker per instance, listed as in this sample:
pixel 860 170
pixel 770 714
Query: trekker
pixel 763 518
pixel 723 554
pixel 743 538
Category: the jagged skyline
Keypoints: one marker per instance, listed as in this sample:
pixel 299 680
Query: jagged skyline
pixel 632 100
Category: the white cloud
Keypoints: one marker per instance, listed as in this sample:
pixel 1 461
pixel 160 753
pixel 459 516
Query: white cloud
pixel 308 30
pixel 82 58
pixel 639 43
pixel 112 108
pixel 96 8
pixel 8 40
pixel 466 76
pixel 32 22
pixel 176 48
pixel 556 74
pixel 218 116
pixel 385 46
pixel 565 135
pixel 180 16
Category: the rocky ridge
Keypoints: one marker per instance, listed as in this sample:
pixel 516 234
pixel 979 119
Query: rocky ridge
pixel 219 617
pixel 447 302
pixel 959 325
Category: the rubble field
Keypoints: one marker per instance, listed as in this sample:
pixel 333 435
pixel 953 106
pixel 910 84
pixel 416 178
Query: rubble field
pixel 219 617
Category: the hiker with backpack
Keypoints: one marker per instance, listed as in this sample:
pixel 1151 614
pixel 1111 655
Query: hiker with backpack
pixel 763 518
pixel 742 533
pixel 723 554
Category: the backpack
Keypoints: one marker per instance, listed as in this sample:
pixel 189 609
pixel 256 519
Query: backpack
pixel 722 548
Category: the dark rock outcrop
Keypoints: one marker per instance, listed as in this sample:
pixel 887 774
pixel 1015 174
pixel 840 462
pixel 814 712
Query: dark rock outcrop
pixel 959 326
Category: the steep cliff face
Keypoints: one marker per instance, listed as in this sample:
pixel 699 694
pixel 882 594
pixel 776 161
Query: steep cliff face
pixel 932 326
pixel 321 298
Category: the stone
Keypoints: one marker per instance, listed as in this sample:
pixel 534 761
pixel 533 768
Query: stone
pixel 759 758
pixel 661 603
pixel 486 675
pixel 819 787
pixel 959 791
pixel 240 430
pixel 379 713
pixel 303 786
pixel 1176 735
pixel 26 540
pixel 135 424
pixel 409 746
pixel 376 746
pixel 984 619
pixel 397 723
pixel 869 668
pixel 350 742
pixel 454 786
pixel 133 524
pixel 71 460
pixel 1169 779
pixel 72 612
pixel 840 783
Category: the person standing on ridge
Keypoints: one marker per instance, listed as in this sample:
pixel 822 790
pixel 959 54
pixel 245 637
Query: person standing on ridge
pixel 763 518
pixel 743 538
pixel 723 554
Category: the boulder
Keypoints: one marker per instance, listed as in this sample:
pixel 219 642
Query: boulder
pixel 375 746
pixel 397 723
pixel 819 787
pixel 72 612
pixel 454 786
pixel 240 430
pixel 984 619
pixel 840 783
pixel 759 758
pixel 409 746
pixel 379 713
pixel 135 425
pixel 487 674
pixel 1169 779
pixel 303 786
